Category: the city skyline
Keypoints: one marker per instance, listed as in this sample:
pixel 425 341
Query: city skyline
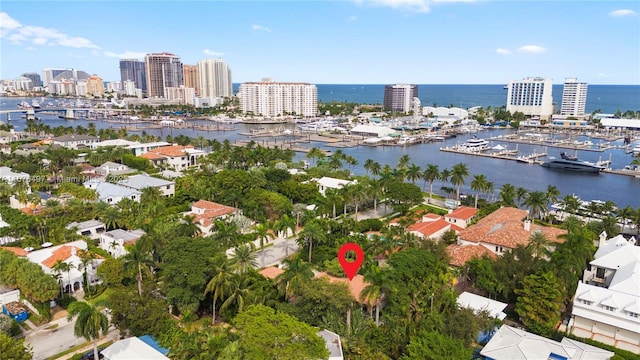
pixel 338 42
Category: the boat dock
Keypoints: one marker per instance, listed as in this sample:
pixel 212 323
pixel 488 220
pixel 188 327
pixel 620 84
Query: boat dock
pixel 563 144
pixel 504 155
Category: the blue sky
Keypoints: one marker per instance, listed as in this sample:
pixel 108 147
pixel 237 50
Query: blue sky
pixel 334 42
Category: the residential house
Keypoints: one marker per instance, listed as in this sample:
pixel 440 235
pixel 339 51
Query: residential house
pixel 7 136
pixel 112 168
pixel 333 344
pixel 432 226
pixel 606 305
pixel 114 241
pixel 139 182
pixel 91 228
pixel 501 231
pixel 74 141
pixel 112 193
pixel 133 348
pixel 204 213
pixel 480 303
pixel 143 148
pixel 509 343
pixel 177 157
pixel 461 216
pixel 115 143
pixel 325 183
pixel 68 253
pixel 12 177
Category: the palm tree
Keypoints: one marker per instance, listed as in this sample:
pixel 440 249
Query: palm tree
pixel 286 224
pixel 538 243
pixel 372 167
pixel 296 274
pixel 263 233
pixel 444 175
pixel 356 193
pixel 374 189
pixel 537 201
pixel 136 257
pixel 431 174
pixel 333 196
pixel 58 268
pixel 521 194
pixel 90 322
pixel 624 215
pixel 379 286
pixel 414 173
pixel 570 204
pixel 552 195
pixel 219 285
pixel 86 257
pixel 244 258
pixel 478 184
pixel 237 294
pixel 226 232
pixel 315 154
pixel 459 172
pixel 403 161
pixel 313 231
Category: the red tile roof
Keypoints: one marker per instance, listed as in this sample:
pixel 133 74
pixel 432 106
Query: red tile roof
pixel 460 254
pixel 152 156
pixel 356 285
pixel 271 272
pixel 171 150
pixel 429 228
pixel 62 253
pixel 211 211
pixel 505 227
pixel 16 250
pixel 463 212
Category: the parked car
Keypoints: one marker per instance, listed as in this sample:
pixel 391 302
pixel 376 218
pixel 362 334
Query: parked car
pixel 89 354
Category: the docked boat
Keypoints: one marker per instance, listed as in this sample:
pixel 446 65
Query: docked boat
pixel 35 104
pixel 475 145
pixel 571 163
pixel 24 105
pixel 636 150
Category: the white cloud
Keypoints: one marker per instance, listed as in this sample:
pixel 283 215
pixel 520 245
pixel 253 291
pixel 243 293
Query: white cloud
pixel 260 28
pixel 352 18
pixel 7 22
pixel 212 53
pixel 420 6
pixel 532 49
pixel 622 12
pixel 125 55
pixel 18 34
pixel 501 51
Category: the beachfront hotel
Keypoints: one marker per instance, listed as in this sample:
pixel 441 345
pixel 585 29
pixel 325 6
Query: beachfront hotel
pixel 269 98
pixel 398 97
pixel 574 97
pixel 214 79
pixel 531 96
pixel 163 70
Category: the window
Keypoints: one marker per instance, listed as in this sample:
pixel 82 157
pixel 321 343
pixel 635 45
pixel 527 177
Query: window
pixel 168 187
pixel 634 315
pixel 600 273
pixel 608 308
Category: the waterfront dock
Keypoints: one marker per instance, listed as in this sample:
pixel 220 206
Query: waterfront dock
pixel 503 155
pixel 563 144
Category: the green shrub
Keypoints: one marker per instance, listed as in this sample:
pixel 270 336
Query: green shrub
pixel 370 225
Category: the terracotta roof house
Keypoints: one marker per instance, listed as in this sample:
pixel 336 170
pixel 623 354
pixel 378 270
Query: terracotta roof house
pixel 500 231
pixel 271 272
pixel 461 216
pixel 356 285
pixel 20 252
pixel 177 157
pixel 69 253
pixel 459 255
pixel 205 212
pixel 432 226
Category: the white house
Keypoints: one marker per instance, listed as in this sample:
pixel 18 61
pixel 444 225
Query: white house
pixel 75 141
pixel 461 216
pixel 112 193
pixel 112 168
pixel 90 228
pixel 606 306
pixel 143 148
pixel 12 177
pixel 138 182
pixel 432 226
pixel 132 348
pixel 372 130
pixel 325 183
pixel 175 156
pixel 480 303
pixel 114 241
pixel 509 343
pixel 204 213
pixel 333 344
pixel 70 254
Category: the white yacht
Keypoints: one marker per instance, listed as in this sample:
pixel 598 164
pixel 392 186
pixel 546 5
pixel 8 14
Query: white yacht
pixel 475 144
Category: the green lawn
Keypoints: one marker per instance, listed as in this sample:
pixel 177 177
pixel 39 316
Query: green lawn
pixel 104 296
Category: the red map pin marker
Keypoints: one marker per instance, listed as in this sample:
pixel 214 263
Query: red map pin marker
pixel 350 268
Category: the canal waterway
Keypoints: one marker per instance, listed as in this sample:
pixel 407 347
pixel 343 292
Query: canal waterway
pixel 623 190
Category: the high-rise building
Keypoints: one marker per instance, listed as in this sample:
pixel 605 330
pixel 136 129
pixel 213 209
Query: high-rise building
pixel 163 70
pixel 574 97
pixel 191 77
pixel 183 94
pixel 269 98
pixel 531 96
pixel 50 73
pixel 95 86
pixel 134 70
pixel 399 97
pixel 35 78
pixel 214 78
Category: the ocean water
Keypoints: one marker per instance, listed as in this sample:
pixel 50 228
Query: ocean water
pixel 607 98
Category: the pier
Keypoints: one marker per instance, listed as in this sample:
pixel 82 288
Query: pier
pixel 563 144
pixel 503 155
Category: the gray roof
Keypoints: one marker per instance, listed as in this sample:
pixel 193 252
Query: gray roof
pixel 74 137
pixel 124 234
pixel 140 182
pixel 106 190
pixel 332 342
pixel 85 224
